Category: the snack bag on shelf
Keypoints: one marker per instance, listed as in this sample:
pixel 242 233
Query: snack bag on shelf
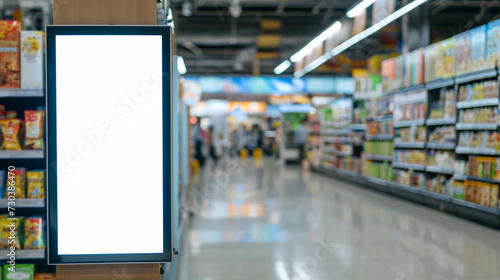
pixel 36 184
pixel 5 230
pixel 13 132
pixel 494 196
pixel 10 114
pixel 32 49
pixel 22 272
pixel 33 231
pixel 34 130
pixel 9 54
pixel 20 183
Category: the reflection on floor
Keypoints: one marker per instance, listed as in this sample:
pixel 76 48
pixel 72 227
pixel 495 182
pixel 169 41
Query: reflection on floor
pixel 256 220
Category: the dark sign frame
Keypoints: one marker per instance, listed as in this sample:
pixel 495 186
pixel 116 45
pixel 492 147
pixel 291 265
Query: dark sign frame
pixel 51 152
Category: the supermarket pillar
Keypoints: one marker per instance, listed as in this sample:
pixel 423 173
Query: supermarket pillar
pixel 125 178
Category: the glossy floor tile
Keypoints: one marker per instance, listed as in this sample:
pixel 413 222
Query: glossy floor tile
pixel 257 220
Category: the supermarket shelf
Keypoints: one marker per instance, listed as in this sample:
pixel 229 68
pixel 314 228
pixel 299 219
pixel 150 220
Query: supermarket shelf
pixel 477 103
pixel 332 140
pixel 379 137
pixel 336 132
pixel 475 206
pixel 440 84
pixel 437 169
pixel 358 126
pixel 21 154
pixel 404 187
pixel 440 146
pixel 342 154
pixel 430 122
pixel 12 92
pixel 476 151
pixel 24 203
pixel 476 126
pixel 435 195
pixel 409 123
pixel 398 144
pixel 379 158
pixel 418 167
pixel 377 180
pixel 476 76
pixel 485 180
pixel 329 149
pixel 460 177
pixel 409 89
pixel 329 157
pixel 24 254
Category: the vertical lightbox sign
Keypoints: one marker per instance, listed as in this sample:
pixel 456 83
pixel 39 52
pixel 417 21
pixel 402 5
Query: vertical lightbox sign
pixel 109 144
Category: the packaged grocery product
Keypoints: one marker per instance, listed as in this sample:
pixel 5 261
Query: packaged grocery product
pixel 36 184
pixel 32 46
pixel 432 64
pixel 3 181
pixel 33 233
pixel 13 131
pixel 9 54
pixel 5 233
pixel 478 45
pixel 463 53
pixel 448 56
pixel 22 272
pixel 417 67
pixel 34 130
pixel 494 196
pixel 493 44
pixel 10 114
pixel 388 74
pixel 19 182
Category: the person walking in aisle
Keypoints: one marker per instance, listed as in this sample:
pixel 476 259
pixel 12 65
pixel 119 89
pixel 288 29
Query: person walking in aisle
pixel 301 139
pixel 211 146
pixel 197 138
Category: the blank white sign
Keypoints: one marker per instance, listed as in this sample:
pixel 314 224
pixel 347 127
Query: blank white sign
pixel 109 144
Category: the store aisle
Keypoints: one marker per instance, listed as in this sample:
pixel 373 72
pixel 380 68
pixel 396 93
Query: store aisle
pixel 256 220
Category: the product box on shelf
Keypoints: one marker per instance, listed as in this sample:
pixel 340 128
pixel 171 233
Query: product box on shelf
pixel 444 159
pixel 448 58
pixel 388 74
pixel 443 135
pixel 32 52
pixel 432 63
pixel 493 44
pixel 417 67
pixel 399 72
pixel 478 46
pixel 22 272
pixel 410 134
pixel 9 54
pixel 439 184
pixel 410 106
pixel 463 48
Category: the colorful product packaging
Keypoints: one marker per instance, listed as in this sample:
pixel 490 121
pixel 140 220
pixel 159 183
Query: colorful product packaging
pixel 22 272
pixel 5 230
pixel 417 67
pixel 478 46
pixel 10 33
pixel 448 58
pixel 493 44
pixel 32 48
pixel 13 132
pixel 463 50
pixel 34 130
pixel 388 74
pixel 33 234
pixel 19 181
pixel 36 184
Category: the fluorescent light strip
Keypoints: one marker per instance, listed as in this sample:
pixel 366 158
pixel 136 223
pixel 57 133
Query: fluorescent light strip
pixel 282 67
pixel 181 66
pixel 359 8
pixel 316 41
pixel 360 36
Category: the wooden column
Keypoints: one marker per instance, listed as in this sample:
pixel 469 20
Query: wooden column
pixel 102 12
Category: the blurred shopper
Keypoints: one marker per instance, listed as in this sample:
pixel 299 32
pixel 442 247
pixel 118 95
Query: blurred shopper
pixel 301 139
pixel 239 138
pixel 254 139
pixel 197 138
pixel 211 146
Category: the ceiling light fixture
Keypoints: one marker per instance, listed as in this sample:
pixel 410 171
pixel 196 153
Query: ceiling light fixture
pixel 282 67
pixel 360 36
pixel 359 8
pixel 181 66
pixel 316 41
